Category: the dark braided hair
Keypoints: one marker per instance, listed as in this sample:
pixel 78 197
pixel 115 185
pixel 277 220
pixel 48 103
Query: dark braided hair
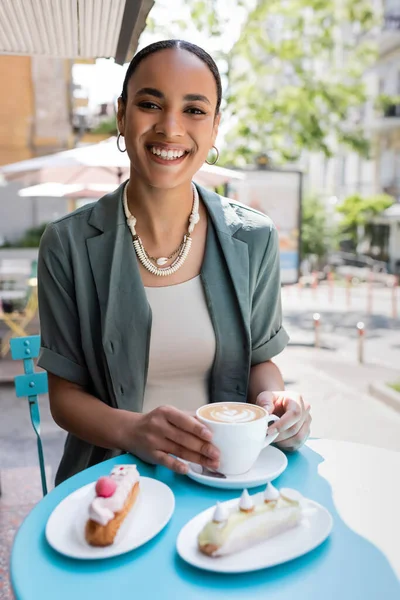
pixel 167 45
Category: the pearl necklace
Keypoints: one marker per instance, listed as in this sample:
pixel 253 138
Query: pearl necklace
pixel 184 248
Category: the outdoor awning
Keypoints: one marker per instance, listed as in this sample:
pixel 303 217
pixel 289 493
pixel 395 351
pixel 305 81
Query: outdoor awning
pixel 72 190
pixel 75 29
pixel 100 164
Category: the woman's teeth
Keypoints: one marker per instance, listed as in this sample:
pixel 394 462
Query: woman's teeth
pixel 167 154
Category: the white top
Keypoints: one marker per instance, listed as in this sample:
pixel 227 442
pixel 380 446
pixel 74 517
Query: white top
pixel 182 347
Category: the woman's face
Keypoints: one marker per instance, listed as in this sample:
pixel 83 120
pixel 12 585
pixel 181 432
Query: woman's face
pixel 169 121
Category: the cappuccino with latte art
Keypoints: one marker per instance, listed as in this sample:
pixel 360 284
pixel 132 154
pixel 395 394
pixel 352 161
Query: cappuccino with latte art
pixel 239 431
pixel 232 412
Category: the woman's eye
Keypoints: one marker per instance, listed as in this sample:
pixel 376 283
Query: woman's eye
pixel 148 105
pixel 195 111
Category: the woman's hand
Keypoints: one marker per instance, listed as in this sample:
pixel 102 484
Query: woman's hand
pixel 154 436
pixel 295 419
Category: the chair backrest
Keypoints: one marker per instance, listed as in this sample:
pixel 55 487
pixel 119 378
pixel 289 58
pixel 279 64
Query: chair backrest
pixel 31 385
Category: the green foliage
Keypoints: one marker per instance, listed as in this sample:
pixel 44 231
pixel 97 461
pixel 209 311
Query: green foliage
pixel 316 232
pixel 205 14
pixel 290 90
pixel 356 211
pixel 30 239
pixel 287 86
pixel 395 386
pixel 383 101
pixel 108 126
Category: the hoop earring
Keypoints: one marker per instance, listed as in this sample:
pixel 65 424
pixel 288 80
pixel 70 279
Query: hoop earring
pixel 216 158
pixel 118 146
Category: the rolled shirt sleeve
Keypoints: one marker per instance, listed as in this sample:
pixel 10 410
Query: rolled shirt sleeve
pixel 269 337
pixel 61 348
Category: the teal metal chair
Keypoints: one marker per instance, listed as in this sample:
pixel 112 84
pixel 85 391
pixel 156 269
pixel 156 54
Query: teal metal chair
pixel 31 385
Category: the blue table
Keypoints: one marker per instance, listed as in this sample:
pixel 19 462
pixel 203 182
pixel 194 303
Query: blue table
pixel 358 561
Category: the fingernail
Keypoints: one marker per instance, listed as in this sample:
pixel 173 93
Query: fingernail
pixel 272 431
pixel 213 454
pixel 183 469
pixel 206 433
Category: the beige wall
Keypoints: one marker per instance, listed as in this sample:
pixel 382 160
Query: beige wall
pixel 16 108
pixel 34 107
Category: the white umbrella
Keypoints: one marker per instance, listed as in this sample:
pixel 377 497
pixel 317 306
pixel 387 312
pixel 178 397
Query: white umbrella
pixel 101 163
pixel 213 176
pixel 62 190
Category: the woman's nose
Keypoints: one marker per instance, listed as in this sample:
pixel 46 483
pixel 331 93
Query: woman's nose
pixel 169 124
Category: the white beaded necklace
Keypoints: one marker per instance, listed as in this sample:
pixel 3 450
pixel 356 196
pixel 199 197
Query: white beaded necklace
pixel 184 248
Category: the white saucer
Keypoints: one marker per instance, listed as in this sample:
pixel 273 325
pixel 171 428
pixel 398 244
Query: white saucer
pixel 269 465
pixel 151 512
pixel 312 530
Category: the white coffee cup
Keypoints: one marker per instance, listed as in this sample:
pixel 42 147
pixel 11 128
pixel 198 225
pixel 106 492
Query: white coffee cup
pixel 238 435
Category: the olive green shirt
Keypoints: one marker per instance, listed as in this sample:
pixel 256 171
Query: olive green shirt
pixel 96 321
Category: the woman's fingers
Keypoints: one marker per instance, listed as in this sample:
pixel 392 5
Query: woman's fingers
pixel 292 412
pixel 191 443
pixel 266 400
pixel 185 422
pixel 187 432
pixel 295 441
pixel 190 455
pixel 172 463
pixel 292 431
pixel 171 431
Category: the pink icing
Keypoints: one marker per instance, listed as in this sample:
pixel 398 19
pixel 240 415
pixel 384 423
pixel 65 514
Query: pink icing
pixel 105 487
pixel 102 509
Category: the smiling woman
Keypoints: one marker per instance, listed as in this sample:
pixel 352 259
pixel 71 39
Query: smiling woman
pixel 162 296
pixel 168 112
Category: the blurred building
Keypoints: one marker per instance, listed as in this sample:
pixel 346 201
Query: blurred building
pixel 347 172
pixel 41 111
pixel 385 128
pixel 34 106
pixel 37 50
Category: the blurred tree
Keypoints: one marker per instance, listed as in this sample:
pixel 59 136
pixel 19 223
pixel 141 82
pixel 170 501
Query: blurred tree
pixel 357 211
pixel 30 239
pixel 317 233
pixel 293 77
pixel 108 125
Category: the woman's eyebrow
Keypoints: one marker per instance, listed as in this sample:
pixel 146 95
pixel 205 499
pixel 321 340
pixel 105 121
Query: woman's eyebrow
pixel 150 92
pixel 196 98
pixel 158 94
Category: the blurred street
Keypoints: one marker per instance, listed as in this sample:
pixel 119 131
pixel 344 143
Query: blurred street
pixel 331 377
pixel 340 311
